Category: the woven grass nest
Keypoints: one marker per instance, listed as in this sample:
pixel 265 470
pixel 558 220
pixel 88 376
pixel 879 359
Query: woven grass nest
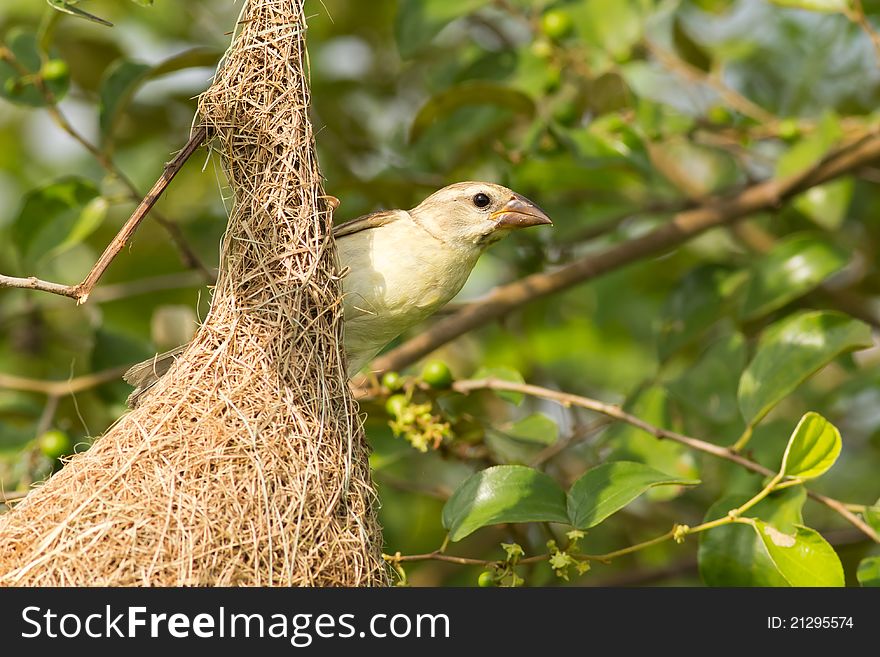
pixel 246 464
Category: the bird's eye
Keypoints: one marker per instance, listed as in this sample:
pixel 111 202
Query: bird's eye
pixel 481 200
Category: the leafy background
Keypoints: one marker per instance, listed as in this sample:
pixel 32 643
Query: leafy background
pixel 612 115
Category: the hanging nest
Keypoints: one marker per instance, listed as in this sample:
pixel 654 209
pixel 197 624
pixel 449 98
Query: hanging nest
pixel 246 464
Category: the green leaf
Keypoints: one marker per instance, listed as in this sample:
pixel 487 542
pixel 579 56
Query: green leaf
pixel 812 449
pixel 418 21
pixel 688 49
pixel 536 428
pixel 69 8
pixel 92 216
pixel 872 515
pixel 709 386
pixel 613 25
pixel 609 487
pixel 21 88
pixel 504 493
pixel 803 558
pixel 827 205
pixel 123 78
pixel 120 82
pixel 200 57
pixel 733 555
pixel 691 308
pixel 794 267
pixel 502 374
pixel 790 351
pixel 476 92
pixel 810 149
pixel 868 573
pixel 631 444
pixel 828 6
pixel 56 217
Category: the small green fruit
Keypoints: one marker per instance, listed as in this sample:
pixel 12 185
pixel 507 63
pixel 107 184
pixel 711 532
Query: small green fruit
pixel 542 49
pixel 719 115
pixel 486 579
pixel 12 86
pixel 552 79
pixel 54 69
pixel 392 381
pixel 55 443
pixel 395 405
pixel 556 24
pixel 567 113
pixel 789 130
pixel 437 374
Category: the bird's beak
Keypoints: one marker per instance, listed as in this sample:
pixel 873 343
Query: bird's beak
pixel 519 212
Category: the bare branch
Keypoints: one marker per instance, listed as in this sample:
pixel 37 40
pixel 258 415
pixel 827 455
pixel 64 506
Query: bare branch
pixel 62 388
pixel 81 291
pixel 729 95
pixel 188 256
pixel 32 283
pixel 856 14
pixel 171 170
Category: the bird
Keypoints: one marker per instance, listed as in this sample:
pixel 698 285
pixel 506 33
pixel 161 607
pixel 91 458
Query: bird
pixel 401 266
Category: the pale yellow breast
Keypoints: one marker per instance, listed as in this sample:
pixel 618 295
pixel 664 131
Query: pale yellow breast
pixel 398 276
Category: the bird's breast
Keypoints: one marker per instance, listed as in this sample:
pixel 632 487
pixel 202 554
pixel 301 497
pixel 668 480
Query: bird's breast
pixel 398 275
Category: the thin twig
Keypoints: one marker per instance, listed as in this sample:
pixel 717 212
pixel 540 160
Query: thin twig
pixel 856 13
pixel 729 95
pixel 81 291
pixel 682 228
pixel 629 577
pixel 146 204
pixel 562 444
pixel 187 254
pixel 613 223
pixel 758 240
pixel 613 411
pixel 62 388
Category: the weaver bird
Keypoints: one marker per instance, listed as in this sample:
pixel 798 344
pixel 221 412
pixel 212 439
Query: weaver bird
pixel 402 265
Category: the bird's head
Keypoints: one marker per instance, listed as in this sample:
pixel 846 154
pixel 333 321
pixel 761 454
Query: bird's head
pixel 476 214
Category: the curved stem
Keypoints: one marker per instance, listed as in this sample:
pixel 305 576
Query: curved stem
pixel 618 413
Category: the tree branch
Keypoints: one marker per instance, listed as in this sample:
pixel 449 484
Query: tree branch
pixel 62 388
pixel 81 291
pixel 683 227
pixel 613 411
pixel 188 256
pixel 856 14
pixel 729 95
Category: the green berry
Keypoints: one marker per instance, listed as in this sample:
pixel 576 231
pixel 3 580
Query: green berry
pixel 542 49
pixel 486 579
pixel 719 115
pixel 54 69
pixel 437 374
pixel 556 24
pixel 392 381
pixel 55 443
pixel 567 113
pixel 12 86
pixel 552 79
pixel 788 129
pixel 395 405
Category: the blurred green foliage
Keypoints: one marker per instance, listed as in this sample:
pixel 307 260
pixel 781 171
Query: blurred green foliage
pixel 612 115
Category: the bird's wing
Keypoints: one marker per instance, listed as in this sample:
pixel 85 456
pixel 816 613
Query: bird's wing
pixel 143 375
pixel 366 222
